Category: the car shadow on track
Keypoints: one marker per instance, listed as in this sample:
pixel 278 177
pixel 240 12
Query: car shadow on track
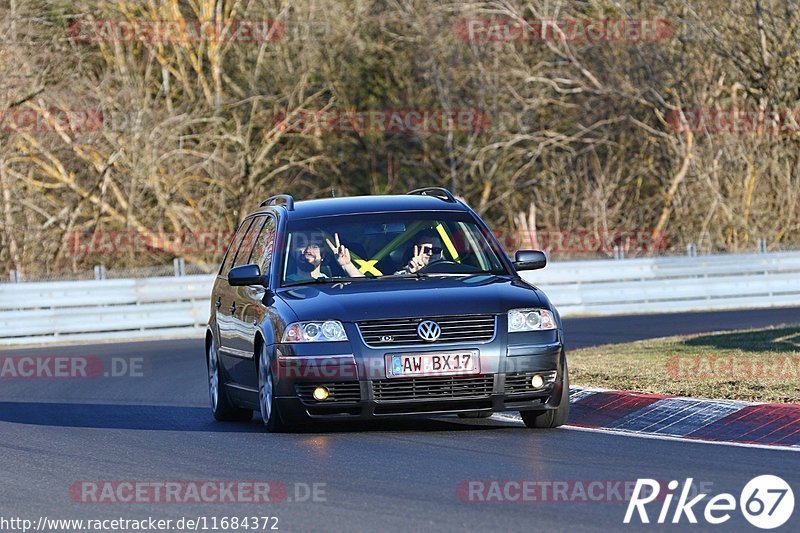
pixel 177 418
pixel 415 424
pixel 117 416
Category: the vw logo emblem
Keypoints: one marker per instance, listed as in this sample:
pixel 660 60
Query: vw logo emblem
pixel 429 330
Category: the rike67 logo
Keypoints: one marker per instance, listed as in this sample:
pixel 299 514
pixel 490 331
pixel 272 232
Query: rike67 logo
pixel 766 502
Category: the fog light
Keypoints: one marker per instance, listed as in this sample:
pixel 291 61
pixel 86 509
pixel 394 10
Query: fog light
pixel 537 381
pixel 320 393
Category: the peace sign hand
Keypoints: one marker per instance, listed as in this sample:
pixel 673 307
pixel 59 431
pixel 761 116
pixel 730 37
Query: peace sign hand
pixel 340 251
pixel 418 260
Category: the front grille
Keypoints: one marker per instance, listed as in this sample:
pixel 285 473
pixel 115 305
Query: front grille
pixel 339 392
pixel 403 331
pixel 520 382
pixel 437 388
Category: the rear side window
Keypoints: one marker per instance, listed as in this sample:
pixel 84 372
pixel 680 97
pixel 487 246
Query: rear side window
pixel 234 247
pixel 246 246
pixel 264 245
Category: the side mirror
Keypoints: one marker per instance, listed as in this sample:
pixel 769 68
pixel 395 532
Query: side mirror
pixel 246 275
pixel 529 260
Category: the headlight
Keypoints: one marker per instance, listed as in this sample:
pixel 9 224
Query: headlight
pixel 530 320
pixel 317 331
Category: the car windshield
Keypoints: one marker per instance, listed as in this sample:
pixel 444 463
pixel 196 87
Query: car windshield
pixel 356 247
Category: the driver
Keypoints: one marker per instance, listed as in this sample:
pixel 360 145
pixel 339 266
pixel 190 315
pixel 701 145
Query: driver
pixel 427 250
pixel 311 258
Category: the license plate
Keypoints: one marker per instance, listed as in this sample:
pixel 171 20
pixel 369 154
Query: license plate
pixel 432 364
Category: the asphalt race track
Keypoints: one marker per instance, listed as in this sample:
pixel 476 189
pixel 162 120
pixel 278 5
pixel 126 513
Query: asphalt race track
pixel 400 476
pixel 581 332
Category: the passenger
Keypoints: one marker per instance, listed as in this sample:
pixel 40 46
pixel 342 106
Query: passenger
pixel 311 259
pixel 427 249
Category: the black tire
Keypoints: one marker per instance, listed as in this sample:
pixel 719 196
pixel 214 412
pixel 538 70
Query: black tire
pixel 475 414
pixel 551 418
pixel 222 407
pixel 270 413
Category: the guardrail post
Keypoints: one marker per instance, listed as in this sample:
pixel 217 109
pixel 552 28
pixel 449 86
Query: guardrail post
pixel 180 266
pixel 100 272
pixel 13 276
pixel 619 253
pixel 691 249
pixel 762 246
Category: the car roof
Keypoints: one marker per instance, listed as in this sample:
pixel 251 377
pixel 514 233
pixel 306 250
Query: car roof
pixel 371 204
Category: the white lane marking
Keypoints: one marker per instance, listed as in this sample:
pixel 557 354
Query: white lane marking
pixel 652 436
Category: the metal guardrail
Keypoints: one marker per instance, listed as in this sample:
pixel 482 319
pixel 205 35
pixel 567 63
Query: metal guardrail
pixel 104 309
pixel 45 312
pixel 671 284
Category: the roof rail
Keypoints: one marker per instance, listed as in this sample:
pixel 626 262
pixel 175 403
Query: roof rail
pixel 285 199
pixel 438 192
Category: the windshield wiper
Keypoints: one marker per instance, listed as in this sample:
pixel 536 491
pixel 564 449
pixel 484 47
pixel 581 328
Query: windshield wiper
pixel 437 275
pixel 335 279
pixel 406 276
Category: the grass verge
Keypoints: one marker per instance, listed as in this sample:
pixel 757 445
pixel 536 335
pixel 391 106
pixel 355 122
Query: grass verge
pixel 754 365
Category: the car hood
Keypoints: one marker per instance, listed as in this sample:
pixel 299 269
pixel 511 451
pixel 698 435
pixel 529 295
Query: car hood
pixel 407 297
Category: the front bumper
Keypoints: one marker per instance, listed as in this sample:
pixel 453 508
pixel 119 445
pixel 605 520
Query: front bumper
pixel 360 390
pixel 368 407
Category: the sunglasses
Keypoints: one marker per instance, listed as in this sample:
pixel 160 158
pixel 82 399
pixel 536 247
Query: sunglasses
pixel 431 250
